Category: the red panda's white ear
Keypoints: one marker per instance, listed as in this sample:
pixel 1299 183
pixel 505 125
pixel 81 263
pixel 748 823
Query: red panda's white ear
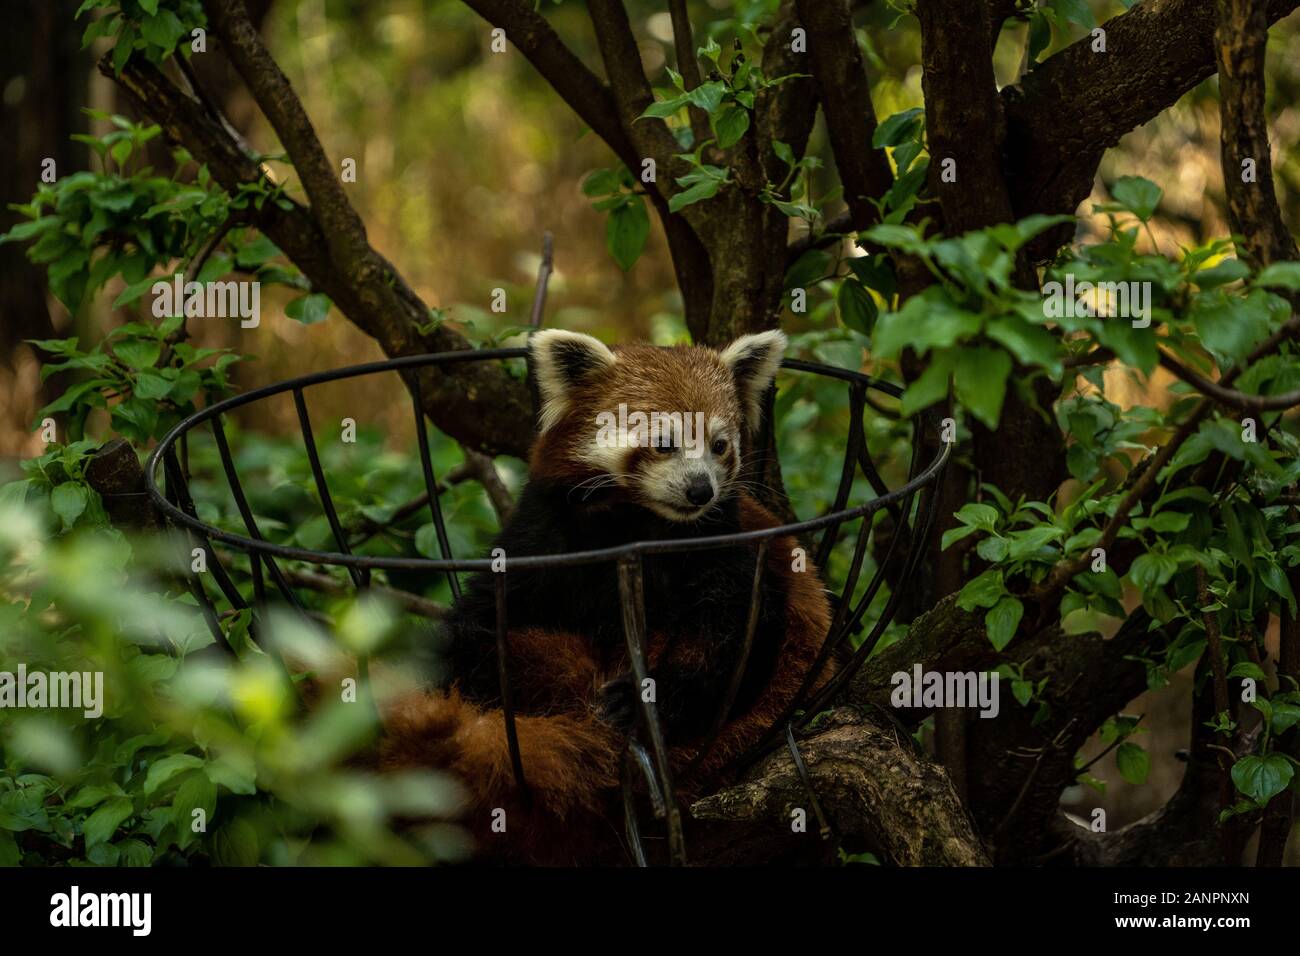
pixel 753 360
pixel 560 360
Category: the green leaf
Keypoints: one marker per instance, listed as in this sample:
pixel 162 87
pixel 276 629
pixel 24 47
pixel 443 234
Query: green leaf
pixel 1022 691
pixel 1231 325
pixel 1139 196
pixel 165 768
pixel 125 43
pixel 1262 778
pixel 731 126
pixel 68 501
pixel 137 352
pixel 980 381
pixel 9 852
pixel 898 128
pixel 252 255
pixel 196 792
pixel 1030 344
pixel 982 591
pixel 163 29
pixel 1134 763
pixel 103 823
pixel 135 853
pixel 979 515
pixel 665 108
pixel 707 96
pixel 55 346
pixel 91 796
pixel 1002 620
pixel 134 291
pixel 874 272
pixel 626 232
pixel 308 309
pixel 135 418
pixel 151 384
pixel 25 230
pixel 1247 669
pixel 1075 11
pixel 926 321
pixel 807 269
pixel 1280 275
pixel 857 309
pixel 1285 716
pixel 1229 270
pixel 235 772
pixel 1040 35
pixel 1134 346
pixel 701 190
pixel 1152 570
pixel 930 387
pixel 1274 579
pixel 601 182
pixel 1169 522
pixel 236 844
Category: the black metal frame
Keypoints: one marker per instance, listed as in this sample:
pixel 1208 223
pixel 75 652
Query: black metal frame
pixel 911 531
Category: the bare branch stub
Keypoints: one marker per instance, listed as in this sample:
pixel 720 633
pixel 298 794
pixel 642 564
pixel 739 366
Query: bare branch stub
pixel 1154 54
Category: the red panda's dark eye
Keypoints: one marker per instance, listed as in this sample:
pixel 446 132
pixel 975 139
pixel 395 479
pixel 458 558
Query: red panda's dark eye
pixel 664 447
pixel 719 446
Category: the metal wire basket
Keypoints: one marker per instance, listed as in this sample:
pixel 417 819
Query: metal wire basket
pixel 912 506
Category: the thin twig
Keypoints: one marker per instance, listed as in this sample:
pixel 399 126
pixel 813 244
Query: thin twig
pixel 1111 746
pixel 543 280
pixel 1228 396
pixel 485 472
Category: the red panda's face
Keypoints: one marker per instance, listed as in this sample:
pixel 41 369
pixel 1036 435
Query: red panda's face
pixel 663 427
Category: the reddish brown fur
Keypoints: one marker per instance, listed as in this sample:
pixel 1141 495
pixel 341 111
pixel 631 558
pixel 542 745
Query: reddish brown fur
pixel 571 763
pixel 570 757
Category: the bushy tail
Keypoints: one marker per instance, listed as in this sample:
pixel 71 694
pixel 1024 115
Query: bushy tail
pixel 570 765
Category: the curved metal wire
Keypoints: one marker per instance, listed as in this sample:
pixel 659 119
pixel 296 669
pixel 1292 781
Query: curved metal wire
pixel 652 761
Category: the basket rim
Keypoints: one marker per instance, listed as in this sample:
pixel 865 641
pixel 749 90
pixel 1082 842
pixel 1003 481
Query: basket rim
pixel 626 552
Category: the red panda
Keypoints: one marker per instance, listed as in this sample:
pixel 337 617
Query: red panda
pixel 575 699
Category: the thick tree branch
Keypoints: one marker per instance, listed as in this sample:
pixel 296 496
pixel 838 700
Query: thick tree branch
pixel 344 231
pixel 1070 109
pixel 963 115
pixel 876 789
pixel 1253 211
pixel 632 94
pixel 846 100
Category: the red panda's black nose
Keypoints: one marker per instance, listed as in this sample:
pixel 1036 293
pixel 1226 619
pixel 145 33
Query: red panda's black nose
pixel 700 490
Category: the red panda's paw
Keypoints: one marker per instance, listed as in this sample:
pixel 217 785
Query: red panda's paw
pixel 617 703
